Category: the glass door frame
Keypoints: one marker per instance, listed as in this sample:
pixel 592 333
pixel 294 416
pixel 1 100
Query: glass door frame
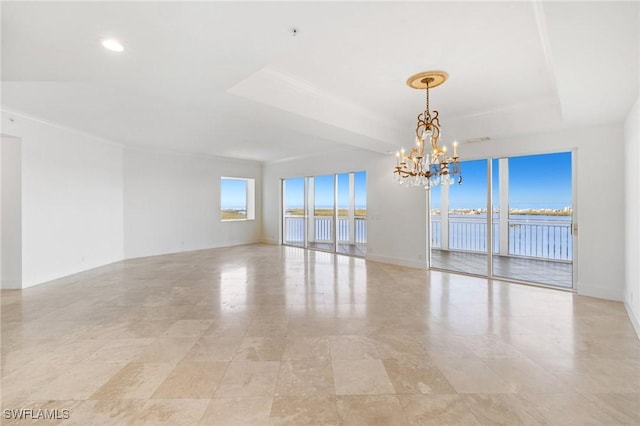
pixel 490 234
pixel 311 227
pixel 283 210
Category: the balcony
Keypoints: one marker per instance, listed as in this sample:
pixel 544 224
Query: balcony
pixel 535 250
pixel 351 233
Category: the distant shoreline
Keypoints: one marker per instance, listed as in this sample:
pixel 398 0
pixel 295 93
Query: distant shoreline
pixel 465 212
pixel 359 212
pixel 511 212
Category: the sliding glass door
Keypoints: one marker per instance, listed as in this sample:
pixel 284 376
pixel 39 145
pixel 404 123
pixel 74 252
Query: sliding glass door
pixel 535 218
pixel 321 224
pixel 523 234
pixel 352 213
pixel 459 222
pixel 293 212
pixel 326 212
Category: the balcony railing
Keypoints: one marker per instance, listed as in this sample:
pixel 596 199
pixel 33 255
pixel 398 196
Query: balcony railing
pixel 323 229
pixel 294 229
pixel 544 239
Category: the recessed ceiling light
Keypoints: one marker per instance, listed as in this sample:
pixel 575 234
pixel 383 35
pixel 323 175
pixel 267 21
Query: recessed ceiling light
pixel 113 45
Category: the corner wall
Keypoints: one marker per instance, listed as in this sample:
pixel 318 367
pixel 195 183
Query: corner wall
pixel 71 191
pixel 172 203
pixel 632 214
pixel 11 214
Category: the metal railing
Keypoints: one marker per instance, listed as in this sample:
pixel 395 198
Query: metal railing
pixel 323 229
pixel 361 230
pixel 544 239
pixel 470 234
pixel 294 229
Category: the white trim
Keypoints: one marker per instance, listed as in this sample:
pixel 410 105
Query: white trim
pixel 575 237
pixel 189 154
pixel 538 9
pixel 62 127
pixel 635 321
pixel 124 145
pixel 12 284
pixel 250 199
pixel 606 293
pixel 207 247
pixel 400 262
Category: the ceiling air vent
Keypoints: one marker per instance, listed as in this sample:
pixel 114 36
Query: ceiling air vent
pixel 473 140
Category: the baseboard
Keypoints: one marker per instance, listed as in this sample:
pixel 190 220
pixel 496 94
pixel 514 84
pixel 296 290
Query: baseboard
pixel 599 292
pixel 12 284
pixel 269 241
pixel 635 321
pixel 55 277
pixel 400 262
pixel 130 256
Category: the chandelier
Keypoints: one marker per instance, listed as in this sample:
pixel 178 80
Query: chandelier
pixel 427 164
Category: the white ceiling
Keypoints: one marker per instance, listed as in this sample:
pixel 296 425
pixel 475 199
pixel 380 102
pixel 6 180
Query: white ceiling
pixel 230 79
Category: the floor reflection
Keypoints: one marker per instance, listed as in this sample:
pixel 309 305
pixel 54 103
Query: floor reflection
pixel 549 272
pixel 259 334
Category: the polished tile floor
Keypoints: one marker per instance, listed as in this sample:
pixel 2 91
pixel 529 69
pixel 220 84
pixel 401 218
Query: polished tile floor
pixel 259 334
pixel 539 271
pixel 357 249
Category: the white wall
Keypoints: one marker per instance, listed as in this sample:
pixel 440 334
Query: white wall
pixel 72 215
pixel 397 216
pixel 11 214
pixel 172 203
pixel 87 202
pixel 632 214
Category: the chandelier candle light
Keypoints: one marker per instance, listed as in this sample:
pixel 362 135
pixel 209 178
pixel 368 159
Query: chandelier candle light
pixel 427 167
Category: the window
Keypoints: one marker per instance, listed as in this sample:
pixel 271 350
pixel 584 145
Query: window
pixel 237 199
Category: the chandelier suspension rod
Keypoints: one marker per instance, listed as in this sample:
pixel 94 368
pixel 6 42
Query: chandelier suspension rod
pixel 427 89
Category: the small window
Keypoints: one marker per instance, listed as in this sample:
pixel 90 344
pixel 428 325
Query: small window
pixel 237 199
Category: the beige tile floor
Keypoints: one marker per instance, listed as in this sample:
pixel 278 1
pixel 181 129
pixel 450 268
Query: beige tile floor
pixel 259 335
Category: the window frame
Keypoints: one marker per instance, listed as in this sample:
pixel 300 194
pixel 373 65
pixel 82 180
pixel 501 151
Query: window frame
pixel 250 199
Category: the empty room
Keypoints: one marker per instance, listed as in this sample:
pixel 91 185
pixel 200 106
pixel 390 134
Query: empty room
pixel 320 213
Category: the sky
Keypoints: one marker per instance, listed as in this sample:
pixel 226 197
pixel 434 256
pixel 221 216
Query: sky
pixel 294 191
pixel 233 193
pixel 535 181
